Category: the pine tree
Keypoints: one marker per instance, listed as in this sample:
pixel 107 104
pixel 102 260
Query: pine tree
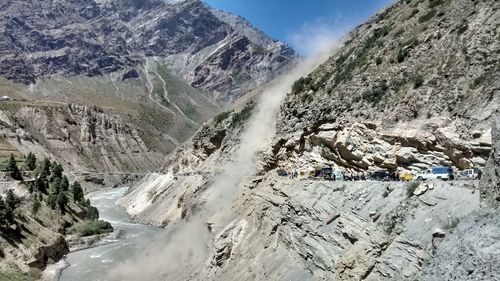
pixel 56 185
pixel 62 201
pixel 51 201
pixel 36 205
pixel 52 197
pixel 10 205
pixel 11 200
pixel 43 170
pixel 77 191
pixel 41 185
pixel 56 171
pixel 13 169
pixel 3 219
pixel 65 183
pixel 30 162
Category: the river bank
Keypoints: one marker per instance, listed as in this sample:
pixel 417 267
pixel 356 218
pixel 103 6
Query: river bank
pixel 93 263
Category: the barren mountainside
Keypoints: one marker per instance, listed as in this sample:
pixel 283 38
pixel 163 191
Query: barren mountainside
pixel 413 87
pixel 93 38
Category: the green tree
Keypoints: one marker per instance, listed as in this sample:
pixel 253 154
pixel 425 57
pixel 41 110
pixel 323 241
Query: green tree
pixel 64 183
pixel 92 213
pixel 11 200
pixel 36 205
pixel 62 201
pixel 13 169
pixel 56 171
pixel 51 201
pixel 53 194
pixel 41 185
pixel 3 220
pixel 77 191
pixel 30 162
pixel 10 205
pixel 43 170
pixel 56 185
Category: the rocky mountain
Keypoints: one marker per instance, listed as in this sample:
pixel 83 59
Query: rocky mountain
pixel 116 85
pixel 94 38
pixel 414 86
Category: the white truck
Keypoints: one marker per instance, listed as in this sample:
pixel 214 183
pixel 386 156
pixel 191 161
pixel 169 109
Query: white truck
pixel 439 172
pixel 469 174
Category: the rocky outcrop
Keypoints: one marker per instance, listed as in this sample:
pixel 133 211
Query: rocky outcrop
pixel 50 254
pixel 42 38
pixel 490 181
pixel 360 147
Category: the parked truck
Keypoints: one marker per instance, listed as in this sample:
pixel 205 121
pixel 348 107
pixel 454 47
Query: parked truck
pixel 437 172
pixel 469 174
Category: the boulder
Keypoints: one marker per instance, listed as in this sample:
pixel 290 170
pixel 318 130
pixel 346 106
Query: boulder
pixel 406 155
pixel 421 189
pixel 438 232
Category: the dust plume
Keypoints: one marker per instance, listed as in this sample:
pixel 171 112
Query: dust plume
pixel 183 250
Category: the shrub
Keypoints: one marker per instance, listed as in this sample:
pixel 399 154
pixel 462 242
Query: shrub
pixel 402 54
pixel 418 81
pixel 413 13
pixel 92 212
pixel 378 60
pixel 452 223
pixel 410 188
pixel 375 94
pixel 222 116
pixel 435 3
pixel 430 14
pixel 462 28
pixel 90 227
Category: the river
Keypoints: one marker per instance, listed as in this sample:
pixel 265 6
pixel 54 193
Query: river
pixel 94 264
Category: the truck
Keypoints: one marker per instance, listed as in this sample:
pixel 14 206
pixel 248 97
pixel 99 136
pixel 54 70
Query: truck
pixel 469 174
pixel 437 172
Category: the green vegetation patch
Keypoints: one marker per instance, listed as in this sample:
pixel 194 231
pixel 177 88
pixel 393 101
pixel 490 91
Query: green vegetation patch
pixel 91 227
pixel 241 117
pixel 429 15
pixel 346 64
pixel 222 116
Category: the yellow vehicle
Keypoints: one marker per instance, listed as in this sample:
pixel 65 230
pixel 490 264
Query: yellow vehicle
pixel 406 176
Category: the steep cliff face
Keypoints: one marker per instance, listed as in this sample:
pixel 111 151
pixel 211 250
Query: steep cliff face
pixel 81 138
pixel 93 38
pixel 415 86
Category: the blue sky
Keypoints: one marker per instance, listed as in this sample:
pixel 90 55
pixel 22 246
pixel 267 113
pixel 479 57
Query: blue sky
pixel 300 23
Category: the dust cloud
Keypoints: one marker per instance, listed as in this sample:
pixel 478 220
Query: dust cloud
pixel 184 248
